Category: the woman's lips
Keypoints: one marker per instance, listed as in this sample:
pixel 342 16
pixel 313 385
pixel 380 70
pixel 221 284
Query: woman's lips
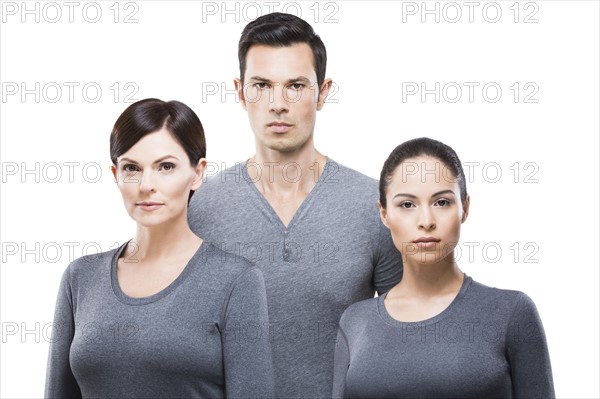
pixel 426 242
pixel 149 206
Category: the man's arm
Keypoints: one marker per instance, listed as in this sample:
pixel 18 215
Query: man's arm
pixel 387 264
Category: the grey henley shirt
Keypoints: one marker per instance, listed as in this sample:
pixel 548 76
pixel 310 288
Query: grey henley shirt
pixel 335 251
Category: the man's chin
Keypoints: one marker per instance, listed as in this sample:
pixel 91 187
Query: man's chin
pixel 285 145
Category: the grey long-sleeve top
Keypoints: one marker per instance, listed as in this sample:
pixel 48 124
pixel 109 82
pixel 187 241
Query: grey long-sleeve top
pixel 201 337
pixel 488 343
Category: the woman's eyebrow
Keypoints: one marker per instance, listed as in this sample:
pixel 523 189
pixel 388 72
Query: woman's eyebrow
pixel 159 160
pixel 443 192
pixel 434 195
pixel 127 160
pixel 405 195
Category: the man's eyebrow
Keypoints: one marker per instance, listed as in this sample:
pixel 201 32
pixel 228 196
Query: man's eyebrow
pixel 299 79
pixel 260 79
pixel 296 79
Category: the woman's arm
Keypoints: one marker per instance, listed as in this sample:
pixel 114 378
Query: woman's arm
pixel 60 382
pixel 527 352
pixel 246 347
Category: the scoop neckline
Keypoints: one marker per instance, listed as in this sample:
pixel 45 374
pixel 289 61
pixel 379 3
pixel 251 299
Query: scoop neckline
pixel 129 300
pixel 383 313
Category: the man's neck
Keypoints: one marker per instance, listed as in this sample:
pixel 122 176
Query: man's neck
pixel 284 174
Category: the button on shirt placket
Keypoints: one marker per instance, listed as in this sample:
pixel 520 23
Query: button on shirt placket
pixel 286 249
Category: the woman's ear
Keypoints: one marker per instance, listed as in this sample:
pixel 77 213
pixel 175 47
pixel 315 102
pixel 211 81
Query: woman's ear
pixel 383 214
pixel 113 169
pixel 199 172
pixel 466 206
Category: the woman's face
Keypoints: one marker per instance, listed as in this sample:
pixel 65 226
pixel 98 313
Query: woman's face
pixel 155 178
pixel 424 210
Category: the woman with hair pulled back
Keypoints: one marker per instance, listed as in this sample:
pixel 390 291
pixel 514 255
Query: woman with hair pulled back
pixel 437 333
pixel 166 314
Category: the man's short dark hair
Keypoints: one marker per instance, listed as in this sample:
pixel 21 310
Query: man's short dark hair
pixel 282 30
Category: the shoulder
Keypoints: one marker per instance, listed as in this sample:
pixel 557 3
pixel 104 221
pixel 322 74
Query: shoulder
pixel 226 178
pixel 337 171
pixel 342 182
pixel 226 266
pixel 496 294
pixel 511 303
pixel 224 189
pixel 89 265
pixel 358 312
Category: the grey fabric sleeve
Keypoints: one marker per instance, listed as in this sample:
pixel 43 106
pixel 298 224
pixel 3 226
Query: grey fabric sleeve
pixel 340 365
pixel 388 267
pixel 246 347
pixel 527 352
pixel 60 382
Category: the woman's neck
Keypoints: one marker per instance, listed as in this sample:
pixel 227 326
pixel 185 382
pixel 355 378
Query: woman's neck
pixel 429 280
pixel 160 242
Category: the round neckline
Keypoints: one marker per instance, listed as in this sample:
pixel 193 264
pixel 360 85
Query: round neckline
pixel 126 299
pixel 383 313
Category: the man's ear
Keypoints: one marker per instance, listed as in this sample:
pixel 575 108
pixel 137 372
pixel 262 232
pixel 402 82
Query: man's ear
pixel 466 207
pixel 113 169
pixel 323 93
pixel 239 88
pixel 383 214
pixel 199 173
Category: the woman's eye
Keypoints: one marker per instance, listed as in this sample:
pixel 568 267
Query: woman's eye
pixel 167 166
pixel 130 168
pixel 405 205
pixel 442 202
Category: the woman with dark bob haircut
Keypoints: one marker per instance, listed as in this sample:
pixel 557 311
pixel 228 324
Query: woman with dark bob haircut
pixel 437 333
pixel 166 314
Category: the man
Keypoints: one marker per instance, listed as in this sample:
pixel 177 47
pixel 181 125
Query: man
pixel 310 224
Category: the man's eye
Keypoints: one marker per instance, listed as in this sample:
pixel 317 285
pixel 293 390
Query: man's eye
pixel 298 86
pixel 261 85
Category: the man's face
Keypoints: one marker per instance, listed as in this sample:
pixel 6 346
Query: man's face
pixel 281 95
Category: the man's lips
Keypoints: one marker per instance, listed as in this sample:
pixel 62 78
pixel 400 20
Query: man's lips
pixel 279 127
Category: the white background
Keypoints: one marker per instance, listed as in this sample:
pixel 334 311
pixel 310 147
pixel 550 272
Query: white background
pixel 543 220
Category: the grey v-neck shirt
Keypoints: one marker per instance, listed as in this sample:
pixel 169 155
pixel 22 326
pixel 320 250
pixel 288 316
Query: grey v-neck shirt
pixel 197 338
pixel 488 343
pixel 334 252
